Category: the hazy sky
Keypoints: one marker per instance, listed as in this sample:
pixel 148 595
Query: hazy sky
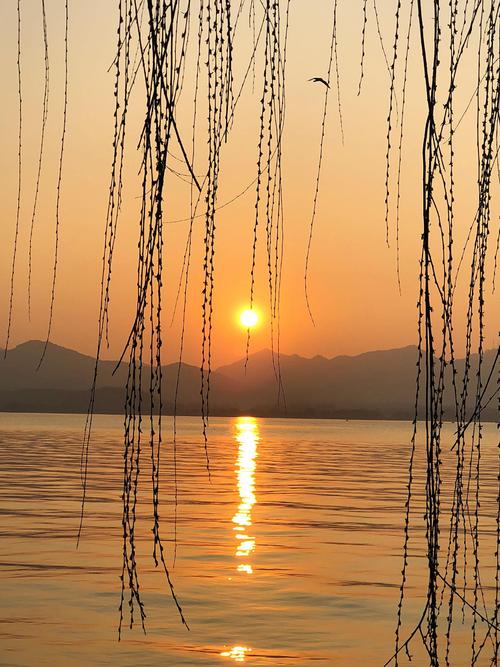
pixel 352 282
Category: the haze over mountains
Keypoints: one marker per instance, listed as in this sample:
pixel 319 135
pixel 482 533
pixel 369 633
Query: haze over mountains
pixel 373 385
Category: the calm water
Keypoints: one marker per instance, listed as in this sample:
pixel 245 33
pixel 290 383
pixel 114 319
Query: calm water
pixel 290 556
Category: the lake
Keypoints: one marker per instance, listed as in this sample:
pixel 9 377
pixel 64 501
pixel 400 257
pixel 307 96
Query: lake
pixel 290 555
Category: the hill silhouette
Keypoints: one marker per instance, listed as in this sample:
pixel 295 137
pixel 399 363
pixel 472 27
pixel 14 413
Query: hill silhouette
pixel 373 385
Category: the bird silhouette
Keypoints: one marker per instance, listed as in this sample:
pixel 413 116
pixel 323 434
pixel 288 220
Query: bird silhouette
pixel 319 79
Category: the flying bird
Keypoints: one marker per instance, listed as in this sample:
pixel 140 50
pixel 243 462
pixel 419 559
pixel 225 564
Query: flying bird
pixel 319 79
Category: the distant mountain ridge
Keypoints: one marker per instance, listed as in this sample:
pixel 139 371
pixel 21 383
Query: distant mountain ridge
pixel 372 385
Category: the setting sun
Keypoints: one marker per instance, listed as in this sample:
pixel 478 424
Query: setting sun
pixel 249 318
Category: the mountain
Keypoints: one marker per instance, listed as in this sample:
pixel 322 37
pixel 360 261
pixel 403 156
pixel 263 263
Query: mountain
pixel 367 385
pixel 62 368
pixel 63 381
pixel 373 385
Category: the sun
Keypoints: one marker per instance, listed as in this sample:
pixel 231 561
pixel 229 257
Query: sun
pixel 249 318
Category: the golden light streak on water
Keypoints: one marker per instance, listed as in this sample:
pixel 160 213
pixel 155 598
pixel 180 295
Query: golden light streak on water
pixel 237 653
pixel 247 436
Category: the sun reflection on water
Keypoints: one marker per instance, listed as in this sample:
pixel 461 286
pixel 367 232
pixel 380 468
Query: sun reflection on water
pixel 237 653
pixel 247 436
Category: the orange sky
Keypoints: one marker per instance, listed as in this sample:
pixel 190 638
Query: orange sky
pixel 353 287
